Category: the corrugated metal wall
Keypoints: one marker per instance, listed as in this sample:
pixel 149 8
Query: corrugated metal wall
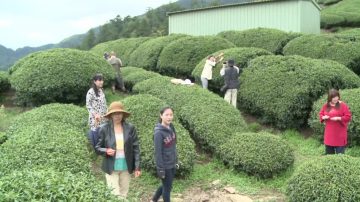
pixel 283 15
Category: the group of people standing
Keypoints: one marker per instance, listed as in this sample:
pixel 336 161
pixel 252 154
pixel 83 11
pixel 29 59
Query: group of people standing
pixel 117 141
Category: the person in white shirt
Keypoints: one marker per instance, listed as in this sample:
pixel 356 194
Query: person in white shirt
pixel 210 63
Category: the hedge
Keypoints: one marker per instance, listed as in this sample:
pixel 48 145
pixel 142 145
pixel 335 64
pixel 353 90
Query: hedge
pixel 51 185
pixel 350 32
pixel 272 40
pixel 58 75
pixel 351 98
pixel 4 81
pixel 259 154
pixel 342 50
pixel 147 54
pixel 122 47
pixel 327 2
pixel 145 110
pixel 241 56
pixel 345 14
pixel 180 57
pixel 137 76
pixel 207 116
pixel 2 137
pixel 329 178
pixel 281 90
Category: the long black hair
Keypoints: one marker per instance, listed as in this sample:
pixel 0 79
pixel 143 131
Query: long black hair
pixel 97 77
pixel 162 110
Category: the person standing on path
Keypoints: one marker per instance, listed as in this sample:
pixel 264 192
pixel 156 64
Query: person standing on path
pixel 232 83
pixel 117 64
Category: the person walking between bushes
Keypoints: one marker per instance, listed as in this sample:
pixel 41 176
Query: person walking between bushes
pixel 206 73
pixel 119 145
pixel 165 153
pixel 96 106
pixel 231 76
pixel 117 64
pixel 335 114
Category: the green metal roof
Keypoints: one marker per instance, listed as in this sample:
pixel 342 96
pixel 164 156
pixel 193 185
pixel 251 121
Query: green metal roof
pixel 236 4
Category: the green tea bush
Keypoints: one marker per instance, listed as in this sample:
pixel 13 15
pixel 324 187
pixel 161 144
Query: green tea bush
pixel 329 178
pixel 327 2
pixel 260 154
pixel 241 56
pixel 344 14
pixel 51 185
pixel 281 90
pixel 272 40
pixel 342 50
pixel 180 57
pixel 137 76
pixel 355 33
pixel 129 70
pixel 351 98
pixel 48 144
pixel 145 111
pixel 58 75
pixel 147 54
pixel 4 81
pixel 2 137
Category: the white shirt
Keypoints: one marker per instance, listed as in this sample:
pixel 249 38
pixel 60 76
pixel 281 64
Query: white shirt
pixel 207 71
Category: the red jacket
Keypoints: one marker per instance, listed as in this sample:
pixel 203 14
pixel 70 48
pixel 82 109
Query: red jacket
pixel 336 131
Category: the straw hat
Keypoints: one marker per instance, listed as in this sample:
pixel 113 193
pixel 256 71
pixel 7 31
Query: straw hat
pixel 117 107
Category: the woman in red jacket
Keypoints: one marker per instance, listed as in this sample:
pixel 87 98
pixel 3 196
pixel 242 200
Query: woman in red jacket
pixel 336 115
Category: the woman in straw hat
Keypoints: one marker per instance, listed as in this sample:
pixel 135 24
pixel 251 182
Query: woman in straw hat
pixel 119 145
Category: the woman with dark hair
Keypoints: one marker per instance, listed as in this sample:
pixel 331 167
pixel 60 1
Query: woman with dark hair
pixel 206 73
pixel 96 105
pixel 336 115
pixel 165 153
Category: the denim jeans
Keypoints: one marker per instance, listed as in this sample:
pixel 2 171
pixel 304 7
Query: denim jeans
pixel 334 150
pixel 204 82
pixel 93 137
pixel 166 186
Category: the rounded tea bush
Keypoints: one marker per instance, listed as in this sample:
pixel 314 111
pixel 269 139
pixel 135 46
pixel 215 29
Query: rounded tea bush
pixel 147 54
pixel 179 58
pixel 51 185
pixel 145 110
pixel 133 75
pixel 58 75
pixel 343 14
pixel 260 154
pixel 272 40
pixel 340 49
pixel 281 90
pixel 241 56
pixel 351 98
pixel 4 81
pixel 329 178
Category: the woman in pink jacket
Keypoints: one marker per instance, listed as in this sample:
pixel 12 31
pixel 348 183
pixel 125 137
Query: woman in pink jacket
pixel 336 115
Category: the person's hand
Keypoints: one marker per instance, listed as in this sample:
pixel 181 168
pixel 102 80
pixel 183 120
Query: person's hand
pixel 137 173
pixel 325 117
pixel 110 152
pixel 97 117
pixel 337 118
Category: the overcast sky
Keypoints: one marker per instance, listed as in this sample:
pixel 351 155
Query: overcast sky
pixel 39 22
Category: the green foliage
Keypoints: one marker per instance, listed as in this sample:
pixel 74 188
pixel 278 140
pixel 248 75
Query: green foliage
pixel 241 56
pixel 272 40
pixel 180 57
pixel 51 185
pixel 4 81
pixel 2 137
pixel 345 13
pixel 207 116
pixel 327 2
pixel 147 54
pixel 352 34
pixel 351 98
pixel 145 110
pixel 58 75
pixel 136 77
pixel 329 178
pixel 281 90
pixel 340 49
pixel 259 154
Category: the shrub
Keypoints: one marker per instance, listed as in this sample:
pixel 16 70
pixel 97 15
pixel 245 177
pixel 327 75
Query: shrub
pixel 344 13
pixel 147 54
pixel 137 76
pixel 51 185
pixel 272 40
pixel 207 116
pixel 46 145
pixel 329 178
pixel 327 2
pixel 342 50
pixel 4 81
pixel 241 56
pixel 180 57
pixel 350 33
pixel 259 154
pixel 351 98
pixel 2 137
pixel 281 90
pixel 145 114
pixel 58 75
pixel 129 70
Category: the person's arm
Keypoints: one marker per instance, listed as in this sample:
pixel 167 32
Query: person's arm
pixel 158 141
pixel 346 117
pixel 136 149
pixel 222 70
pixel 322 115
pixel 100 146
pixel 89 100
